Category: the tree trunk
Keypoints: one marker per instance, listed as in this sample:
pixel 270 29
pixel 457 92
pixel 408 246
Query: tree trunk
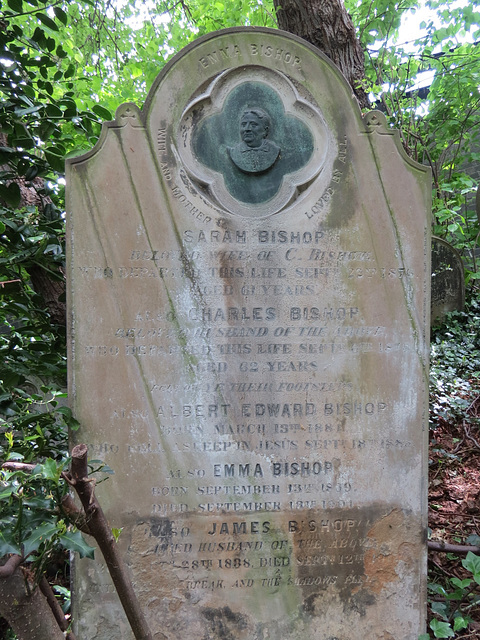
pixel 52 291
pixel 327 25
pixel 28 614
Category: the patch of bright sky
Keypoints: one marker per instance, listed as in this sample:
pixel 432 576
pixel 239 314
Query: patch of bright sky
pixel 415 22
pixel 145 11
pixel 414 27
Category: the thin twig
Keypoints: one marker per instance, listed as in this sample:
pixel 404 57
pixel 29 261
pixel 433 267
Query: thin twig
pixel 470 437
pixel 447 573
pixel 470 590
pixel 475 399
pixel 452 548
pixel 4 282
pixel 18 466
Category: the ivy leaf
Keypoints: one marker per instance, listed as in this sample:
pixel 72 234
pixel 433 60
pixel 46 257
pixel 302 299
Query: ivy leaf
pixel 460 623
pixel 441 629
pixel 461 584
pixel 441 609
pixel 472 563
pixel 74 541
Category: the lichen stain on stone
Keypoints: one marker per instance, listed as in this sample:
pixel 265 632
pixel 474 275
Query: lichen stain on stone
pixel 359 602
pixel 309 604
pixel 148 556
pixel 392 545
pixel 223 623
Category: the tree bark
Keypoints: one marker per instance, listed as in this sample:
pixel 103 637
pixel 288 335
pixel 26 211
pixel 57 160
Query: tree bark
pixel 26 609
pixel 51 291
pixel 327 25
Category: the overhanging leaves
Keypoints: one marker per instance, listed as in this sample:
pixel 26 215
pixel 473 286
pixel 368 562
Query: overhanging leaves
pixel 74 541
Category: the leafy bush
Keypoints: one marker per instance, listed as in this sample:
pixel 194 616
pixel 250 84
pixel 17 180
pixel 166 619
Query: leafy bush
pixel 452 605
pixel 454 394
pixel 455 364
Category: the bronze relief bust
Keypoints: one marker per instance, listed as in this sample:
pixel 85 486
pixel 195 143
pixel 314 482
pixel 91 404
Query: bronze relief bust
pixel 254 154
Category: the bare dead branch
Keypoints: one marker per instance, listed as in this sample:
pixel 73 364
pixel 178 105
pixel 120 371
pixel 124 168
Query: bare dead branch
pixel 102 533
pixel 75 515
pixel 18 466
pixel 452 548
pixel 10 566
pixel 47 591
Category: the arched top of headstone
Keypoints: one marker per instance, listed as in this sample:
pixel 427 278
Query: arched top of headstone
pixel 198 108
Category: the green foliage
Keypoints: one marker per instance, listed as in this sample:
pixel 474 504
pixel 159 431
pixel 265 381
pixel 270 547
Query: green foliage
pixel 44 118
pixel 451 605
pixel 439 126
pixel 65 595
pixel 455 365
pixel 32 524
pixel 454 386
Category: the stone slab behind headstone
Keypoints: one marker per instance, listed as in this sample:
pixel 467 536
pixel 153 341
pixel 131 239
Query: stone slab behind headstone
pixel 448 280
pixel 248 352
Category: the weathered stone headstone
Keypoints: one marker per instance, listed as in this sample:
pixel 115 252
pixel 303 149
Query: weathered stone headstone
pixel 448 280
pixel 249 267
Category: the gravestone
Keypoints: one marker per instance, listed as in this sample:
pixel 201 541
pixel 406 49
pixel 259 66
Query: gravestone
pixel 249 266
pixel 448 281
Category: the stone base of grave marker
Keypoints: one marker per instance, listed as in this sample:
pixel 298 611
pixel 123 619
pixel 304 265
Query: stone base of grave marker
pixel 249 316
